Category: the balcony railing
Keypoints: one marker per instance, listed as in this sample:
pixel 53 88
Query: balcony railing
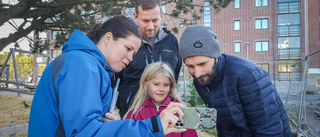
pixel 289 53
pixel 289 30
pixel 289 7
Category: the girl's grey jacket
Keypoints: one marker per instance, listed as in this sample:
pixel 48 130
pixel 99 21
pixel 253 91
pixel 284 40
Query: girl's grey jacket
pixel 246 101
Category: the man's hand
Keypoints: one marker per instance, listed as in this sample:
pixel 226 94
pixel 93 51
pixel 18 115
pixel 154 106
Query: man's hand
pixel 169 119
pixel 111 116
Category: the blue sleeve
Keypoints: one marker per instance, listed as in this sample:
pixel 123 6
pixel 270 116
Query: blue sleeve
pixel 260 103
pixel 82 107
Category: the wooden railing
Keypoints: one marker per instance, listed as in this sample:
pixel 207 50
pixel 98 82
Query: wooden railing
pixel 13 129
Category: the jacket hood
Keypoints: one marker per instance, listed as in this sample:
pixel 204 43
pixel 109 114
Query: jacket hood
pixel 79 41
pixel 162 33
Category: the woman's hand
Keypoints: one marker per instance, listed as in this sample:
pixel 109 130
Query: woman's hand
pixel 111 116
pixel 169 119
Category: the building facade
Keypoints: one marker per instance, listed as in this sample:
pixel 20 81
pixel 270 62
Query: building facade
pixel 270 33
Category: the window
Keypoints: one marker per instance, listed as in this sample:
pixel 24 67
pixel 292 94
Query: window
pixel 164 9
pixel 287 0
pixel 289 47
pixel 237 47
pixel 286 67
pixel 237 25
pixel 261 24
pixel 53 34
pixel 206 13
pixel 261 3
pixel 236 4
pixel 288 19
pixel 181 25
pixel 262 46
pixel 265 67
pixel 288 7
pixel 289 24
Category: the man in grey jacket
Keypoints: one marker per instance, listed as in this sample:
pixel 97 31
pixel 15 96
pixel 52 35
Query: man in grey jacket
pixel 158 44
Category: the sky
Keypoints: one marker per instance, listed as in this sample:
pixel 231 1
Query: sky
pixel 6 29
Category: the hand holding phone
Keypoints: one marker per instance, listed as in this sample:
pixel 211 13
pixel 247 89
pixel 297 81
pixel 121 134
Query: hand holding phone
pixel 197 118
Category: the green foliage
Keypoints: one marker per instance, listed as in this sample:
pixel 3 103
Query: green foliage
pixel 60 39
pixel 175 13
pixel 106 8
pixel 214 132
pixel 175 30
pixel 16 45
pixel 40 45
pixel 23 62
pixel 196 16
pixel 193 99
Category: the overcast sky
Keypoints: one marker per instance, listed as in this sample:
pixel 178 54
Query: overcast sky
pixel 6 29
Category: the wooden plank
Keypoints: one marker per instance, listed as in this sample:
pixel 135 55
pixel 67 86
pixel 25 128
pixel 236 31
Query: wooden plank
pixel 18 91
pixel 19 84
pixel 14 130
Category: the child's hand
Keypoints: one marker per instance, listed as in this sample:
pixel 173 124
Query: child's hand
pixel 169 119
pixel 111 116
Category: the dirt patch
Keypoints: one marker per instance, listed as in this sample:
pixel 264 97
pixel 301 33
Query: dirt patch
pixel 310 122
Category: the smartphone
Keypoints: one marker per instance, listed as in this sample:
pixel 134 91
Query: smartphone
pixel 197 118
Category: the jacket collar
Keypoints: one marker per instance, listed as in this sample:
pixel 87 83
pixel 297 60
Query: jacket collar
pixel 162 33
pixel 218 75
pixel 150 101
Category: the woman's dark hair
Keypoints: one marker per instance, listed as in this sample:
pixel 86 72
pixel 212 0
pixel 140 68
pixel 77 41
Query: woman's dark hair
pixel 119 26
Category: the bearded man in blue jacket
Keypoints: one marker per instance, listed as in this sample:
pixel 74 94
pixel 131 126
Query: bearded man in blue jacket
pixel 246 101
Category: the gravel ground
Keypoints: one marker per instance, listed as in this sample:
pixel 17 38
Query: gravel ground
pixel 310 122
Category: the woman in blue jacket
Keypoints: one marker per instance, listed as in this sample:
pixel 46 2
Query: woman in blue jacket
pixel 75 91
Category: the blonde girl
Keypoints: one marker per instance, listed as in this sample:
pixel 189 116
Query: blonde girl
pixel 157 89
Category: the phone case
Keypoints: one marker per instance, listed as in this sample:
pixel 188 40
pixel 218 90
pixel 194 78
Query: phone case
pixel 198 118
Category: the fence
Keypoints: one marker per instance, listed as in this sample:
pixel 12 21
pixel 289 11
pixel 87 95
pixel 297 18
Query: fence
pixel 301 102
pixel 13 129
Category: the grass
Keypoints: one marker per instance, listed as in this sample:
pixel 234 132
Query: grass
pixel 213 132
pixel 12 110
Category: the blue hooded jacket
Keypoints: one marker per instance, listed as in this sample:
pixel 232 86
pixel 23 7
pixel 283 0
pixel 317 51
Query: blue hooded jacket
pixel 84 89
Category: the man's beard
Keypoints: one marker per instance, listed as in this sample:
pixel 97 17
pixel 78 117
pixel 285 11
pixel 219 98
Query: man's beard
pixel 201 81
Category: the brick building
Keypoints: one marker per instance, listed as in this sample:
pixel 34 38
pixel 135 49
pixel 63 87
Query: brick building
pixel 270 33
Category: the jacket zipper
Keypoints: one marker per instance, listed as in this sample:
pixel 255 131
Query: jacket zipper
pixel 151 55
pixel 208 94
pixel 146 58
pixel 158 106
pixel 128 99
pixel 159 54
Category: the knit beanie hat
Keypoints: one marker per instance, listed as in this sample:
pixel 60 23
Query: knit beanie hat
pixel 199 40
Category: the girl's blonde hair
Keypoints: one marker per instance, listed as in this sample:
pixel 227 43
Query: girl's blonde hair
pixel 150 72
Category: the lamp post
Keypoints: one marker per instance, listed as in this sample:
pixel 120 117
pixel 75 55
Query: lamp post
pixel 247 44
